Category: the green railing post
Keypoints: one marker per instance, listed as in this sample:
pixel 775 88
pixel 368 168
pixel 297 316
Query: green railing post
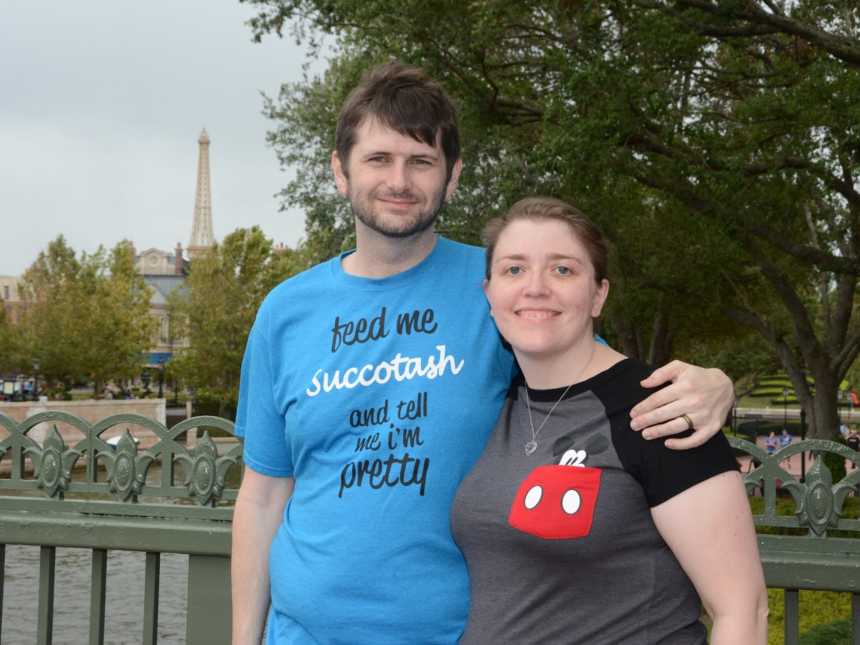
pixel 2 578
pixel 98 588
pixel 47 564
pixel 855 617
pixel 792 616
pixel 208 615
pixel 150 598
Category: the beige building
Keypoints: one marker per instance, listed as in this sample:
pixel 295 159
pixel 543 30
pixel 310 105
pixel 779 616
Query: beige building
pixel 165 273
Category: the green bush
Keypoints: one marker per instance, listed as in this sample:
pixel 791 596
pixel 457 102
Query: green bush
pixel 836 633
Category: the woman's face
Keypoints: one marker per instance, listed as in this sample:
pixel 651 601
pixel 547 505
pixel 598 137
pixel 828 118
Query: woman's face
pixel 541 289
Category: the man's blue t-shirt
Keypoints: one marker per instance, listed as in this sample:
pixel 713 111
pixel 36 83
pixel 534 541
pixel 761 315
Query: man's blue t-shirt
pixel 377 396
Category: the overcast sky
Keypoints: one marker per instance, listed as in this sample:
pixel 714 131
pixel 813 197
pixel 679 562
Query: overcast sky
pixel 101 105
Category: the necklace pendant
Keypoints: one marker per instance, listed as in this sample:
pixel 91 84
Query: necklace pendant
pixel 530 447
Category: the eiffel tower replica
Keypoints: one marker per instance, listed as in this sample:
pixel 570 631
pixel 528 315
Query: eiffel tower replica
pixel 202 237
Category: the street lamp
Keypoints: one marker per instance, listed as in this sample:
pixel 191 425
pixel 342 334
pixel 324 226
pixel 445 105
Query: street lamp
pixel 785 408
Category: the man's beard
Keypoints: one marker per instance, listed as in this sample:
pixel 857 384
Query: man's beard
pixel 400 227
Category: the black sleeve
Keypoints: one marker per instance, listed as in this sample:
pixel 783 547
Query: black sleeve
pixel 662 473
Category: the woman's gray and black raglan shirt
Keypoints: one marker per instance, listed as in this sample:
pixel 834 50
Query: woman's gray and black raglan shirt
pixel 569 553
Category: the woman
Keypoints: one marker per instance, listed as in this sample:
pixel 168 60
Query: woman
pixel 575 529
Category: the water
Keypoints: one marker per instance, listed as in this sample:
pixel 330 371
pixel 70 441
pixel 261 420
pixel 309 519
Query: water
pixel 124 597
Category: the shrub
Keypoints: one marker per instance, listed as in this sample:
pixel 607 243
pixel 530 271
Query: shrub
pixel 836 633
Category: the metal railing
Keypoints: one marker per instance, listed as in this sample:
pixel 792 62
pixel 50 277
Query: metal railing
pixel 817 546
pixel 100 492
pixel 76 486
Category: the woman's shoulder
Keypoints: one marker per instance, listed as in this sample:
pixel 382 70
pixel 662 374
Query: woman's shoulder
pixel 622 377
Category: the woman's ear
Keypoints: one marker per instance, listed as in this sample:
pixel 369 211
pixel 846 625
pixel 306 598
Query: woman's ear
pixel 599 298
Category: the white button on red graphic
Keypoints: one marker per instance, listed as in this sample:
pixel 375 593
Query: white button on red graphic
pixel 556 502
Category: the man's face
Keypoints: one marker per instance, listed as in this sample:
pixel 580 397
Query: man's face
pixel 395 184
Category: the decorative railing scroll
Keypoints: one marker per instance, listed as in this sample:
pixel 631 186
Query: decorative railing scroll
pixel 819 501
pixel 121 470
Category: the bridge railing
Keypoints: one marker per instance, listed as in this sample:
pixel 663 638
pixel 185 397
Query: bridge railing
pixel 129 483
pixel 817 545
pixel 124 483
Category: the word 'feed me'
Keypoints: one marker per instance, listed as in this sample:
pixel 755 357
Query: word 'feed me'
pixel 364 330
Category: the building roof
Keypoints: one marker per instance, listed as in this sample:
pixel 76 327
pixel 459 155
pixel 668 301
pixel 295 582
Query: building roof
pixel 164 285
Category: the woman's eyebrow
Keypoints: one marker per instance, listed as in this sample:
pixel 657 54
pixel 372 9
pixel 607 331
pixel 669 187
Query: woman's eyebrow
pixel 551 256
pixel 564 256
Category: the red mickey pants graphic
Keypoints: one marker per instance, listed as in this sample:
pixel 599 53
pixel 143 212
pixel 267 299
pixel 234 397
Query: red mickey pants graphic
pixel 556 502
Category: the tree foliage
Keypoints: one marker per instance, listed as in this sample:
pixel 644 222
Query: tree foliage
pixel 12 351
pixel 216 310
pixel 87 317
pixel 717 143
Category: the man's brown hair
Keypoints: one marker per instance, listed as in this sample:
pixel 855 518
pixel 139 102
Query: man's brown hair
pixel 405 99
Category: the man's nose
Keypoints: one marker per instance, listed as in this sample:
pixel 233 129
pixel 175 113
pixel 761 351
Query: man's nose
pixel 398 176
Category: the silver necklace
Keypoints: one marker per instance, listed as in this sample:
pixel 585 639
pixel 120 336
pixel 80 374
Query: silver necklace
pixel 531 446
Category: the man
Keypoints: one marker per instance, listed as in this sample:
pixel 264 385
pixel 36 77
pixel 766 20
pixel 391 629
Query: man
pixel 369 386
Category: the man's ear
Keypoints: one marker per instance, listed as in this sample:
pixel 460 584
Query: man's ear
pixel 455 179
pixel 340 178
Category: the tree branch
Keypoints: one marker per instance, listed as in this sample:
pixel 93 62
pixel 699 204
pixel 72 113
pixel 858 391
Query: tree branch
pixel 846 357
pixel 808 254
pixel 807 340
pixel 846 287
pixel 789 360
pixel 839 47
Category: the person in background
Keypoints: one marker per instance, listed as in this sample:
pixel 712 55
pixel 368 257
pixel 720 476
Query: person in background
pixel 576 530
pixel 853 441
pixel 771 443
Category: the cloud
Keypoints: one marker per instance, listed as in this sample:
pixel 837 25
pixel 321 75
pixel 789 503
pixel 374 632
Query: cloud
pixel 103 104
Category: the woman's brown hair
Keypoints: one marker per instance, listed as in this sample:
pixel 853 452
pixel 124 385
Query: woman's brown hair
pixel 549 208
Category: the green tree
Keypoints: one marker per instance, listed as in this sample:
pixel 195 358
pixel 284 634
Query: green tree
pixel 88 317
pixel 224 290
pixel 55 315
pixel 12 348
pixel 120 325
pixel 719 137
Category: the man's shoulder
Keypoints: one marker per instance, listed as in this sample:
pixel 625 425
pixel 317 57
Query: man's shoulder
pixel 453 254
pixel 461 248
pixel 316 278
